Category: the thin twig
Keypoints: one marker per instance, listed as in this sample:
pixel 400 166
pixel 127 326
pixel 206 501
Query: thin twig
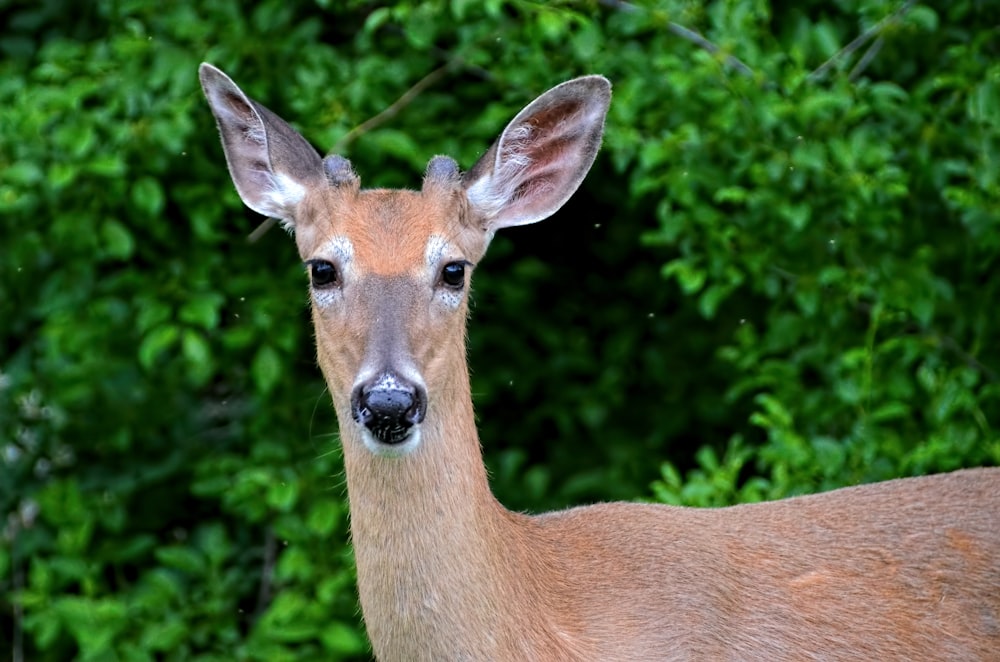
pixel 371 123
pixel 266 572
pixel 859 41
pixel 621 5
pixel 17 646
pixel 944 341
pixel 866 59
pixel 393 109
pixel 259 231
pixel 950 343
pixel 688 35
pixel 698 40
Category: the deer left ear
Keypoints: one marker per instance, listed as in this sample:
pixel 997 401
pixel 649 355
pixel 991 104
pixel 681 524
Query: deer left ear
pixel 540 159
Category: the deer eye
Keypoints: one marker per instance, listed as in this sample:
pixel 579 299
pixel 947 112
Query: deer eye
pixel 323 274
pixel 453 275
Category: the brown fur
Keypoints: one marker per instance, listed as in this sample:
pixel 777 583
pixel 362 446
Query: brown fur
pixel 902 570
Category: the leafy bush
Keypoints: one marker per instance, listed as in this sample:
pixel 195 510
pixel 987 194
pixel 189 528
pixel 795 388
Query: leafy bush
pixel 772 283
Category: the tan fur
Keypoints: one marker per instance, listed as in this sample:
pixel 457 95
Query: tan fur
pixel 894 571
pixel 902 570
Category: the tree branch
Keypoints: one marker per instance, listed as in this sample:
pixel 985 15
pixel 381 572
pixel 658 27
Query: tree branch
pixel 688 35
pixel 860 41
pixel 387 114
pixel 371 123
pixel 866 59
pixel 698 40
pixel 944 341
pixel 259 231
pixel 950 343
pixel 266 572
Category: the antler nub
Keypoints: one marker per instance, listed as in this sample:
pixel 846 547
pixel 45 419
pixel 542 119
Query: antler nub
pixel 339 171
pixel 442 170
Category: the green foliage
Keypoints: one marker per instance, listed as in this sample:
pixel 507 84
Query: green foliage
pixel 776 283
pixel 856 287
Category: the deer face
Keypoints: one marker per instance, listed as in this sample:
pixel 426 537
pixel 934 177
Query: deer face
pixel 389 270
pixel 389 278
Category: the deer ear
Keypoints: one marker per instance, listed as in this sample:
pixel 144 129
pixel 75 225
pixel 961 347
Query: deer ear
pixel 271 165
pixel 540 159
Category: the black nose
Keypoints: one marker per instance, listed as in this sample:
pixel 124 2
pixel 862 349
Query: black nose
pixel 388 406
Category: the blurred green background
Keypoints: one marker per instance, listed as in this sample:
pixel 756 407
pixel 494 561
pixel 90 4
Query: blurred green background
pixel 781 276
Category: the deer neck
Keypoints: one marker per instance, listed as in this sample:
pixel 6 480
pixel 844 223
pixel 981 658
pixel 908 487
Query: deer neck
pixel 438 558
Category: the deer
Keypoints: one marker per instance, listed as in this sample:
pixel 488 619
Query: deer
pixel 907 569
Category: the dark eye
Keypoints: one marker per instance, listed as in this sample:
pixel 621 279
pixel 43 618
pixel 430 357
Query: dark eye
pixel 453 274
pixel 322 273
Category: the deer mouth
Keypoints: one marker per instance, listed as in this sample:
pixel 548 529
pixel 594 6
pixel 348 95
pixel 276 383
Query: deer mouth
pixel 388 430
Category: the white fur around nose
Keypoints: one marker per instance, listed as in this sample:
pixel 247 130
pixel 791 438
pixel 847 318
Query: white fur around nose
pixel 402 449
pixel 388 381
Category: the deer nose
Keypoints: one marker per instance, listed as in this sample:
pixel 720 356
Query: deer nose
pixel 388 406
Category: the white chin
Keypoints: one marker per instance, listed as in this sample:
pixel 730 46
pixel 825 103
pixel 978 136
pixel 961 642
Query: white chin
pixel 383 449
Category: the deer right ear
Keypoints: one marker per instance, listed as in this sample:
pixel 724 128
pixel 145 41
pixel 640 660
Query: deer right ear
pixel 271 165
pixel 540 159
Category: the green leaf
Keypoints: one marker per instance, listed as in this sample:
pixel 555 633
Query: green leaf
pixel 377 18
pixel 283 495
pixel 118 241
pixel 712 298
pixel 182 558
pixel 148 197
pixel 923 17
pixel 213 541
pixel 323 517
pixel 342 638
pixel 202 309
pixel 734 194
pixel 165 635
pixel 890 411
pixel 61 175
pixel 156 343
pixel 266 369
pixel 23 173
pixel 984 102
pixel 689 277
pixel 94 623
pixel 196 349
pixel 391 142
pixel 286 608
pixel 107 165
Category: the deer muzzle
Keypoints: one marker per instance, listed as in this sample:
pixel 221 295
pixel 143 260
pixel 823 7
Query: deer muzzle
pixel 389 406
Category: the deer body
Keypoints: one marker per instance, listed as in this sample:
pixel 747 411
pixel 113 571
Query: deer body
pixel 902 570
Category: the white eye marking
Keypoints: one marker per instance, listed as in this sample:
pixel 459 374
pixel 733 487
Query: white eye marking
pixel 450 298
pixel 435 250
pixel 324 298
pixel 339 248
pixel 434 254
pixel 340 251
